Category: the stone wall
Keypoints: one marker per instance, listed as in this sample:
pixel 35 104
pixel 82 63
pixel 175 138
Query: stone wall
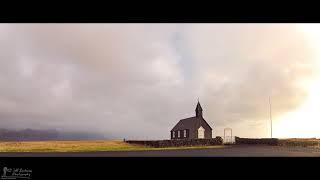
pixel 300 142
pixel 262 141
pixel 218 141
pixel 176 143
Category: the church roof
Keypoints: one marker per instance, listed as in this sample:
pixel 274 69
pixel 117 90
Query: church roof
pixel 190 123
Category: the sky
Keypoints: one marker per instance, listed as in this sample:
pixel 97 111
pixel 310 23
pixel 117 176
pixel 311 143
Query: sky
pixel 136 81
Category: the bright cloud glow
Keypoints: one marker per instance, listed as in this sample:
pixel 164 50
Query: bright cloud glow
pixel 305 120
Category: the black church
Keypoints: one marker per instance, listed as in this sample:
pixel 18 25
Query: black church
pixel 192 128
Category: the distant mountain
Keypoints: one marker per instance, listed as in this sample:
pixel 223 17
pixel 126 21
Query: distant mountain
pixel 41 135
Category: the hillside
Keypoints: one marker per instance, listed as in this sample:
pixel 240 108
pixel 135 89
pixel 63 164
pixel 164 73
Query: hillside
pixel 41 135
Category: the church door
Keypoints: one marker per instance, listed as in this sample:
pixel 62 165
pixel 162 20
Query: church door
pixel 201 133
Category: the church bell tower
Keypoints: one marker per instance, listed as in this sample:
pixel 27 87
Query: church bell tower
pixel 198 110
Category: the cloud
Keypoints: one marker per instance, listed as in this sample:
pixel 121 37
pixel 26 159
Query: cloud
pixel 239 66
pixel 138 80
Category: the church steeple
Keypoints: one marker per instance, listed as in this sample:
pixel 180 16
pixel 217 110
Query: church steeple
pixel 198 110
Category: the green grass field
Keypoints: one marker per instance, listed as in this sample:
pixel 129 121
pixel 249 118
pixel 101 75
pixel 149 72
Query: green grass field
pixel 80 146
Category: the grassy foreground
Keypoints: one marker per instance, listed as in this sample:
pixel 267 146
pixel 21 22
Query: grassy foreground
pixel 80 146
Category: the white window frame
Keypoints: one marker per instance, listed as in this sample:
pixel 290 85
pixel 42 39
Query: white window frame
pixel 173 134
pixel 185 133
pixel 178 134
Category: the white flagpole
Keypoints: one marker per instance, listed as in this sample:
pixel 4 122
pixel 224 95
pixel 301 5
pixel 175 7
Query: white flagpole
pixel 270 116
